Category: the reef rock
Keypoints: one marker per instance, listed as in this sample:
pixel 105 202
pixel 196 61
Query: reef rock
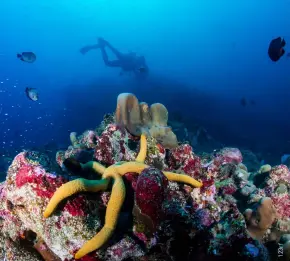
pixel 159 219
pixel 25 194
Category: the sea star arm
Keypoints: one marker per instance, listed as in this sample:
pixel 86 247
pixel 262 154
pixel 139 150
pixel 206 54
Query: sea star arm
pixel 96 242
pixel 112 213
pixel 135 167
pixel 182 178
pixel 143 149
pixel 93 165
pixel 73 187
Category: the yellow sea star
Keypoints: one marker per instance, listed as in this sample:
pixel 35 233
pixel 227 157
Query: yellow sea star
pixel 118 194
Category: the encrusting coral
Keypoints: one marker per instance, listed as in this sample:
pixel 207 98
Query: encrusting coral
pixel 117 198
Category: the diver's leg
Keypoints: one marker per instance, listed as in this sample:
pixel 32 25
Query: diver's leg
pixel 115 63
pixel 114 51
pixel 105 43
pixel 87 48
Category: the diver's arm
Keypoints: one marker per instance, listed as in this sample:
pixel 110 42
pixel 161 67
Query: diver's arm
pixel 87 48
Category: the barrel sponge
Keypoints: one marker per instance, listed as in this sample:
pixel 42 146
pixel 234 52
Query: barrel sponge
pixel 159 114
pixel 260 218
pixel 145 114
pixel 139 118
pixel 164 135
pixel 128 113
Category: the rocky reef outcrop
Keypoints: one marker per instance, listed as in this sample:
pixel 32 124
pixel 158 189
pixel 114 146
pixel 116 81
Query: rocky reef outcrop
pixel 235 215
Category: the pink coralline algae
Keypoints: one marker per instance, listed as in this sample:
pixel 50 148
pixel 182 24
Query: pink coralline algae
pixel 88 139
pixel 282 205
pixel 44 185
pixel 24 196
pixel 112 146
pixel 77 207
pixel 222 165
pixel 182 158
pixel 279 174
pixel 125 248
pixel 229 189
pixel 229 155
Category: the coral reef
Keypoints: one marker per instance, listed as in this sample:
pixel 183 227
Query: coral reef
pixel 118 194
pixel 149 202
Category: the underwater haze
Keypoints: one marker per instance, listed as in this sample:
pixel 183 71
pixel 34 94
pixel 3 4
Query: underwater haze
pixel 204 57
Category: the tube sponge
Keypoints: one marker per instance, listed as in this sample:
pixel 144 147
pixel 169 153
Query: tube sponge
pixel 73 138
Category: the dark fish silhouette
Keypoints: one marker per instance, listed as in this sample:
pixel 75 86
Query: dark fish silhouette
pixel 243 102
pixel 28 57
pixel 253 102
pixel 31 93
pixel 276 50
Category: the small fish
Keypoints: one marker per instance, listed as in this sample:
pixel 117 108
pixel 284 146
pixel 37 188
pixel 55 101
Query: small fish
pixel 31 93
pixel 243 102
pixel 253 102
pixel 28 57
pixel 276 49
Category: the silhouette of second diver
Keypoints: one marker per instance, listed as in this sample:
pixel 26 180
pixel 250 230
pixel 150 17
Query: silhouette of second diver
pixel 128 62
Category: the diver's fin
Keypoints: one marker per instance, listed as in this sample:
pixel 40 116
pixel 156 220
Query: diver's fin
pixel 282 52
pixel 88 48
pixel 283 43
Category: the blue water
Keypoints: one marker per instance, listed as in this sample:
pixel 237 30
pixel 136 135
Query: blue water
pixel 204 56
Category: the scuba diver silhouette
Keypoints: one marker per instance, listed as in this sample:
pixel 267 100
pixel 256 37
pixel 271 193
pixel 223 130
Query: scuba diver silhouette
pixel 128 62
